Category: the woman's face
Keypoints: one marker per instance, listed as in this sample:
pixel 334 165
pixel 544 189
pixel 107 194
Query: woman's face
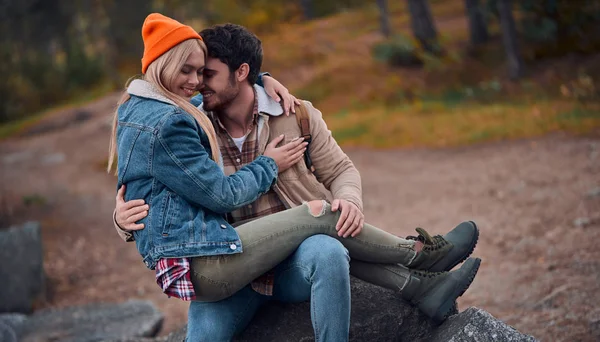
pixel 186 81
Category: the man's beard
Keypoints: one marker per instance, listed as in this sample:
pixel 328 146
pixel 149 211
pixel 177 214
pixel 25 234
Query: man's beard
pixel 220 101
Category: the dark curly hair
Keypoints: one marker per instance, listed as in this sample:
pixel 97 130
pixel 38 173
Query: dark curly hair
pixel 234 45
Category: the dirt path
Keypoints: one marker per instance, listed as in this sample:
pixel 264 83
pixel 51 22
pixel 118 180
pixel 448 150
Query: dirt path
pixel 540 272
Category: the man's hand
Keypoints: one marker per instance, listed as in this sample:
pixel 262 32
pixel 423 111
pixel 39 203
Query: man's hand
pixel 278 92
pixel 128 213
pixel 351 218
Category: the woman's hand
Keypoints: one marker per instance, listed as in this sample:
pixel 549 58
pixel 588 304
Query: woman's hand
pixel 286 155
pixel 128 213
pixel 277 91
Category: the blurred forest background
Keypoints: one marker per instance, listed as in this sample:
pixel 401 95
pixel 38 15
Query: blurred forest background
pixel 385 73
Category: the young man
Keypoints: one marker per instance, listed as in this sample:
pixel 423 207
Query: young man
pixel 245 120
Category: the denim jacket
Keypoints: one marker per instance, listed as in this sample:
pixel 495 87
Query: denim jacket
pixel 164 158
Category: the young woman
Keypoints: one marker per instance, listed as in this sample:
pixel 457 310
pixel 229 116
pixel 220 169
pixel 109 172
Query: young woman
pixel 168 156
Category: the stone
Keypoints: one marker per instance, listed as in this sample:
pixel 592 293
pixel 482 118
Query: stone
pixel 478 325
pixel 594 193
pixel 16 157
pixel 94 322
pixel 594 323
pixel 22 273
pixel 54 158
pixel 67 119
pixel 582 222
pixel 377 315
pixel 11 326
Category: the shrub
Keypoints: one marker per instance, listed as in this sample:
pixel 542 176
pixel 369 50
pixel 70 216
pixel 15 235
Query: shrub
pixel 581 89
pixel 82 70
pixel 556 27
pixel 398 51
pixel 34 81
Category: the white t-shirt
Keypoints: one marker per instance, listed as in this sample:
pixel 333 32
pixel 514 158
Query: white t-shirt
pixel 239 142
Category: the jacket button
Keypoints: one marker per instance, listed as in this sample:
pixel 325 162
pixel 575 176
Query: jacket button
pixel 233 247
pixel 223 226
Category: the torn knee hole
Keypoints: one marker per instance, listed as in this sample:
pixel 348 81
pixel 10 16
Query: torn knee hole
pixel 316 208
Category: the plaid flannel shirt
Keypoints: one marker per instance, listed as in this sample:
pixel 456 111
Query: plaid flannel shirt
pixel 173 275
pixel 233 160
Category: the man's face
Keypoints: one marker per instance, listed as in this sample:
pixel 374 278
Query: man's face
pixel 219 87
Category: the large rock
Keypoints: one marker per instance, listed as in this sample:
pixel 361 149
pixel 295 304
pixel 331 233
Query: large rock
pixel 377 315
pixel 94 322
pixel 21 269
pixel 475 325
pixel 11 326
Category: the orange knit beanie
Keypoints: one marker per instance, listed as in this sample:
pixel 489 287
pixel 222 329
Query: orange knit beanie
pixel 160 34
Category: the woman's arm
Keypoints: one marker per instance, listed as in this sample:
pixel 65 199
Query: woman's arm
pixel 183 164
pixel 278 92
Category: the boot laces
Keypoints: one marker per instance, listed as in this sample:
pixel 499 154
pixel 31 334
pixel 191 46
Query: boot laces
pixel 429 242
pixel 425 274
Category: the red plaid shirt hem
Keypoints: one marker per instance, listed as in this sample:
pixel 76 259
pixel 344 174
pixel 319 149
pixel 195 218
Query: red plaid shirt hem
pixel 173 277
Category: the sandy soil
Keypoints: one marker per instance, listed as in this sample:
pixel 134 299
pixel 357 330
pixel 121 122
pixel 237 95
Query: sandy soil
pixel 537 203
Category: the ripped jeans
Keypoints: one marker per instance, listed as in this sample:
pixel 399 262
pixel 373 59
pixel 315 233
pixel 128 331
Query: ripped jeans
pixel 270 240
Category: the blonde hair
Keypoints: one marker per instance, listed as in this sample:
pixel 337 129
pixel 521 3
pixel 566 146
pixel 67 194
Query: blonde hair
pixel 160 72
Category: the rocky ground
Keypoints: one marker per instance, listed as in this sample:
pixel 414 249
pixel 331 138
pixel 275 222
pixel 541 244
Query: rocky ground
pixel 537 203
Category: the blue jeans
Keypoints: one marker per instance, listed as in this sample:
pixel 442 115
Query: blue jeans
pixel 317 271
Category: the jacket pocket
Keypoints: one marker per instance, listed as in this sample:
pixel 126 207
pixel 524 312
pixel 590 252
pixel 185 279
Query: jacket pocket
pixel 172 211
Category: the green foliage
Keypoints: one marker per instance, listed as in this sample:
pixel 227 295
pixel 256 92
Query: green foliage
pixel 82 70
pixel 542 30
pixel 577 114
pixel 556 27
pixel 34 81
pixel 398 51
pixel 263 16
pixel 582 89
pixel 434 62
pixel 350 133
pixel 325 8
pixel 53 50
pixel 482 93
pixel 46 48
pixel 34 199
pixel 316 92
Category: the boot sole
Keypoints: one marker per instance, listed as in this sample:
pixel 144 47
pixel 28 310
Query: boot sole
pixel 446 309
pixel 465 256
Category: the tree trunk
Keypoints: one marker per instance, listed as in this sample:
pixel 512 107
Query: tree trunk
pixel 477 25
pixel 384 18
pixel 422 25
pixel 307 9
pixel 509 38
